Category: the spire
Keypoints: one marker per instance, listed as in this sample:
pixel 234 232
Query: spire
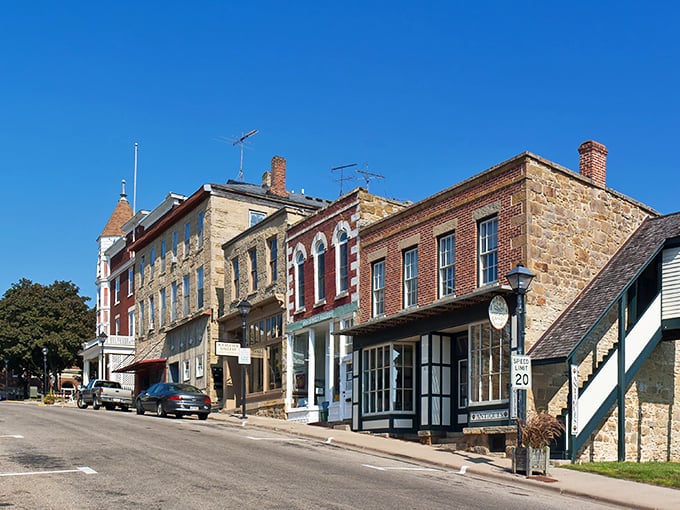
pixel 121 214
pixel 123 195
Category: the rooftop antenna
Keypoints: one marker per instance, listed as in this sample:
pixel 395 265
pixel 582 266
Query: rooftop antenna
pixel 367 176
pixel 342 177
pixel 240 143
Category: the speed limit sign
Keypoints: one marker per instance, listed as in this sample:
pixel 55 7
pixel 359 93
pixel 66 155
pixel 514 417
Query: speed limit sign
pixel 520 371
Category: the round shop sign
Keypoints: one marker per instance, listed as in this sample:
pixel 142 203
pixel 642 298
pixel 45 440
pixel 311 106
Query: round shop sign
pixel 498 312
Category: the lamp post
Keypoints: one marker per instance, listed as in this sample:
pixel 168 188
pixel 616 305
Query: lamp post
pixel 102 340
pixel 45 350
pixel 520 279
pixel 244 309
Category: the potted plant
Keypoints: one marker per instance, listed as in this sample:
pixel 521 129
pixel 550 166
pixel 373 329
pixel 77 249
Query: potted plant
pixel 534 453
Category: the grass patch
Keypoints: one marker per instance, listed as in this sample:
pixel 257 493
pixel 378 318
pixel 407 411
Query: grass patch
pixel 665 474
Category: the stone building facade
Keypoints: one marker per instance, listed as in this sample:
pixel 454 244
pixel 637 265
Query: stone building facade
pixel 428 273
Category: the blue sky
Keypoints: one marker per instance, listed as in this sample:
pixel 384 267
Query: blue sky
pixel 423 93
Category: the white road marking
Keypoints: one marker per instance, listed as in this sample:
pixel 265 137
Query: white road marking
pixel 329 440
pixel 462 471
pixel 14 436
pixel 86 470
pixel 396 468
pixel 276 438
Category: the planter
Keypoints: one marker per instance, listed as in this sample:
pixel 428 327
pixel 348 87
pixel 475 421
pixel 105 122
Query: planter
pixel 531 460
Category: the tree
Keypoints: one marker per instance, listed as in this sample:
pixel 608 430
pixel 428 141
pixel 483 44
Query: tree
pixel 33 316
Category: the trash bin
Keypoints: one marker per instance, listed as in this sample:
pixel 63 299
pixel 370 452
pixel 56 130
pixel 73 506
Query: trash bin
pixel 323 413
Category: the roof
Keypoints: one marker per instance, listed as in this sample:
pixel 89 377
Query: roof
pixel 150 354
pixel 572 326
pixel 121 214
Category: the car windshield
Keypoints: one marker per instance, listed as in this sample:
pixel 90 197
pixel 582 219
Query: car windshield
pixel 183 387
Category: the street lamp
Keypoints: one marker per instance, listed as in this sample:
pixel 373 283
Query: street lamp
pixel 244 309
pixel 520 279
pixel 45 350
pixel 102 340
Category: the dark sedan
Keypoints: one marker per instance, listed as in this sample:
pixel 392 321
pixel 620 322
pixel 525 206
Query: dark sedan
pixel 173 398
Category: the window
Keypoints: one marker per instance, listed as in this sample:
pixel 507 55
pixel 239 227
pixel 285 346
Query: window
pixel 446 259
pixel 131 280
pixel 199 365
pixel 320 271
pixel 131 323
pixel 173 302
pixel 378 289
pixel 152 313
pixel 162 305
pixel 163 252
pixel 187 238
pixel 116 290
pixel 273 257
pixel 199 288
pixel 388 379
pixel 142 317
pixel 256 217
pixel 116 330
pixel 186 370
pixel 186 290
pixel 300 279
pixel 488 251
pixel 489 363
pixel 235 278
pixel 410 277
pixel 252 255
pixel 152 262
pixel 199 231
pixel 342 263
pixel 175 241
pixel 142 263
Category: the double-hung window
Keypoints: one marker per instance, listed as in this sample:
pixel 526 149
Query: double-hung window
pixel 163 253
pixel 175 242
pixel 320 270
pixel 152 262
pixel 116 291
pixel 152 313
pixel 343 263
pixel 447 265
pixel 173 302
pixel 378 288
pixel 300 280
pixel 131 281
pixel 186 292
pixel 142 263
pixel 199 229
pixel 199 288
pixel 252 255
pixel 162 308
pixel 410 277
pixel 273 258
pixel 187 238
pixel 487 233
pixel 235 278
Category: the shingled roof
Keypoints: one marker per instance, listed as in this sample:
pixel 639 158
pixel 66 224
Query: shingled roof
pixel 121 214
pixel 570 328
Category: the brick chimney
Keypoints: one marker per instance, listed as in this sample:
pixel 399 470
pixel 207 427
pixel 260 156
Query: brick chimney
pixel 593 161
pixel 278 179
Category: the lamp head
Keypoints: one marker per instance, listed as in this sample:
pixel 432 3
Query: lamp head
pixel 520 278
pixel 244 308
pixel 45 350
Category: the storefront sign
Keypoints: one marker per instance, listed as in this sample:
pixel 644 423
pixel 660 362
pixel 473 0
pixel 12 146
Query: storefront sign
pixel 244 356
pixel 488 415
pixel 227 349
pixel 498 312
pixel 574 399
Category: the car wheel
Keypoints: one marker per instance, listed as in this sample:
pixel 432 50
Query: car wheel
pixel 124 408
pixel 203 416
pixel 80 403
pixel 178 415
pixel 109 407
pixel 96 404
pixel 140 408
pixel 159 410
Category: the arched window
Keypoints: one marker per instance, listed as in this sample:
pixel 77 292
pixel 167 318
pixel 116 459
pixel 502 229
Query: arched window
pixel 300 280
pixel 320 271
pixel 342 262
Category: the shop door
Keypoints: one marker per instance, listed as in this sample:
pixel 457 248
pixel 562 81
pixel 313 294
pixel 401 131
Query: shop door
pixel 460 363
pixel 346 388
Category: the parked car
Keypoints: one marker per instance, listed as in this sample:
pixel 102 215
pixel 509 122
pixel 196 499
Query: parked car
pixel 173 398
pixel 100 392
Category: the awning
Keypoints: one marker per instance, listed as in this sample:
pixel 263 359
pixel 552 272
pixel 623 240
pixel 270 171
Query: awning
pixel 149 355
pixel 438 308
pixel 137 366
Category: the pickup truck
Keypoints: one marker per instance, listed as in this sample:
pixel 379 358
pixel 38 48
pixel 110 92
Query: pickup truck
pixel 100 392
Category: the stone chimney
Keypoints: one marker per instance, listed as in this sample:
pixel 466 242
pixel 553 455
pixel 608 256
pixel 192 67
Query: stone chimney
pixel 267 180
pixel 593 161
pixel 278 177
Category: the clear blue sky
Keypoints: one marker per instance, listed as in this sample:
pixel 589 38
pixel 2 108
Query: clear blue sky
pixel 425 95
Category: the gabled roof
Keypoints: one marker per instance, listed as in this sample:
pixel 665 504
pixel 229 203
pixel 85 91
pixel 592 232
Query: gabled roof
pixel 570 328
pixel 121 214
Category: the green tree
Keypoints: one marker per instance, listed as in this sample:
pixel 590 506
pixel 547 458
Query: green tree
pixel 33 316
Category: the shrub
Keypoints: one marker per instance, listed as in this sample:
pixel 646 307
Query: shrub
pixel 540 430
pixel 49 399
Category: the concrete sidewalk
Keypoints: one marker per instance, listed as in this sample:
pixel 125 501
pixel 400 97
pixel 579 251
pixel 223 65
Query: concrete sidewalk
pixel 595 487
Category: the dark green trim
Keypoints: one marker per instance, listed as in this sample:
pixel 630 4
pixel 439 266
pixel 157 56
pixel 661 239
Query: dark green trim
pixel 621 377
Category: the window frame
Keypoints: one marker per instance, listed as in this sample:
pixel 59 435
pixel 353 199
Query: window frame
pixel 378 373
pixel 252 260
pixel 299 262
pixel 319 252
pixel 342 261
pixel 235 277
pixel 446 265
pixel 378 292
pixel 273 247
pixel 187 239
pixel 488 360
pixel 186 295
pixel 487 251
pixel 199 288
pixel 199 229
pixel 410 276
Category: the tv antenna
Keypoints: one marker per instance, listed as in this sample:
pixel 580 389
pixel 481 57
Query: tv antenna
pixel 240 143
pixel 342 176
pixel 367 176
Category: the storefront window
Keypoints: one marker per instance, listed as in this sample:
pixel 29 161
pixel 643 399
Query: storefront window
pixel 300 356
pixel 388 379
pixel 489 363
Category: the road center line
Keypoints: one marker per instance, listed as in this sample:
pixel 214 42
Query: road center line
pixel 85 469
pixel 276 438
pixel 396 468
pixel 16 436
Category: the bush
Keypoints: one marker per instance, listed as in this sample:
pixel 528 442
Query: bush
pixel 49 399
pixel 540 430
